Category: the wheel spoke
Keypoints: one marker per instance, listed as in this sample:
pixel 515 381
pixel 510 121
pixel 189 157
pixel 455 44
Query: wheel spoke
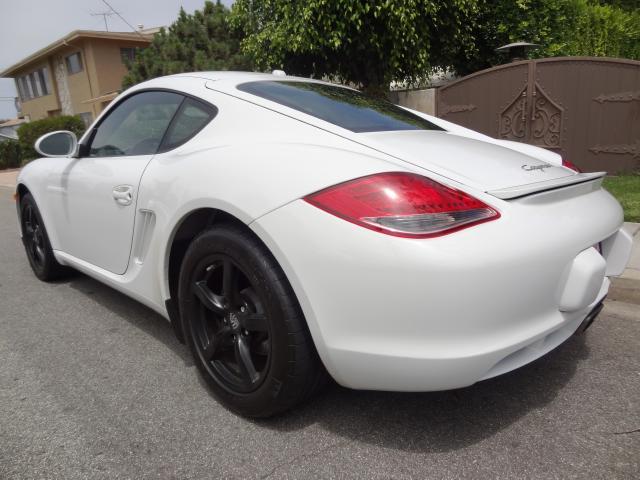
pixel 39 252
pixel 262 348
pixel 229 281
pixel 217 343
pixel 254 322
pixel 28 221
pixel 215 303
pixel 243 357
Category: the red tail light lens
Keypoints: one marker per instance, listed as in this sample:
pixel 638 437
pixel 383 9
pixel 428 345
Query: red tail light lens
pixel 403 204
pixel 571 165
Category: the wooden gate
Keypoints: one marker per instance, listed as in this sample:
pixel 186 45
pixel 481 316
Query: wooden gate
pixel 585 108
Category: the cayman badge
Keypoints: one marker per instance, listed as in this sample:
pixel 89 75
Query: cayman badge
pixel 530 168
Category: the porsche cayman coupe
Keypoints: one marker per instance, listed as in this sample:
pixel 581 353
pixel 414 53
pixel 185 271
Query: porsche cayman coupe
pixel 292 230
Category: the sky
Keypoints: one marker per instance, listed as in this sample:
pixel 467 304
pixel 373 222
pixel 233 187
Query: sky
pixel 29 25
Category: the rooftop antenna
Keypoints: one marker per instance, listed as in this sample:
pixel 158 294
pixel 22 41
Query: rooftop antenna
pixel 122 18
pixel 104 16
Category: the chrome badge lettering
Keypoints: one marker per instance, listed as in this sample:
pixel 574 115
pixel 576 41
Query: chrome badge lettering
pixel 530 168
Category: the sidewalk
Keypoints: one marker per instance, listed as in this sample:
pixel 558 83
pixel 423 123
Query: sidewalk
pixel 8 177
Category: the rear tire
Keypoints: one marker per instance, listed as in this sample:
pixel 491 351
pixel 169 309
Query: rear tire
pixel 36 242
pixel 244 326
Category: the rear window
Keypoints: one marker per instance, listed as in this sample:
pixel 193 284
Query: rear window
pixel 340 106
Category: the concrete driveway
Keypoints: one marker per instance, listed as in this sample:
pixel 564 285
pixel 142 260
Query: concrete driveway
pixel 94 385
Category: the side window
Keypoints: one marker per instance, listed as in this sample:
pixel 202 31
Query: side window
pixel 136 126
pixel 191 118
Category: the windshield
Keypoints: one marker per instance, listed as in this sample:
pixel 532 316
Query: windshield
pixel 340 106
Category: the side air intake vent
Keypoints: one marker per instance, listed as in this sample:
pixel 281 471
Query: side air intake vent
pixel 146 224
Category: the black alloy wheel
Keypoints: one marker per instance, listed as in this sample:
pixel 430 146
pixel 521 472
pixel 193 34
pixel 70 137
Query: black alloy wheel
pixel 33 233
pixel 230 327
pixel 243 325
pixel 36 242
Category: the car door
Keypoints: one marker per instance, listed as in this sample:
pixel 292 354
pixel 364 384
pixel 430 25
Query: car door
pixel 94 204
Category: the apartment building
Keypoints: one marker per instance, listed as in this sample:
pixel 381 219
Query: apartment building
pixel 78 74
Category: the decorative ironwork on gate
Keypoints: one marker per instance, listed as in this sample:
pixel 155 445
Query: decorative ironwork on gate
pixel 546 120
pixel 618 97
pixel 585 108
pixel 513 118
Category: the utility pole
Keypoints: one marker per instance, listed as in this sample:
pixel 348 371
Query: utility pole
pixel 104 16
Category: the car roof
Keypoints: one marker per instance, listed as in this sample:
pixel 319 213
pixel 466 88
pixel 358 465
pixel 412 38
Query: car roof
pixel 227 81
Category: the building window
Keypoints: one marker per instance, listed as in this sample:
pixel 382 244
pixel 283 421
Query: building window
pixel 35 84
pixel 128 54
pixel 43 74
pixel 26 86
pixel 87 118
pixel 74 63
pixel 21 92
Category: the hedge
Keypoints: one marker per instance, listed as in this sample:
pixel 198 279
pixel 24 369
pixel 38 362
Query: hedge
pixel 28 133
pixel 10 154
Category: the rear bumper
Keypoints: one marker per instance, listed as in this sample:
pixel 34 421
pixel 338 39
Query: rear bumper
pixel 395 314
pixel 538 347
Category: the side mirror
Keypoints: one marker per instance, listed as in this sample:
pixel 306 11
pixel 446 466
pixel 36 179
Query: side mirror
pixel 57 144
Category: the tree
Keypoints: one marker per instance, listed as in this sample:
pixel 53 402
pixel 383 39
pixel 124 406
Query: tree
pixel 560 27
pixel 366 43
pixel 202 41
pixel 624 4
pixel 604 30
pixel 500 22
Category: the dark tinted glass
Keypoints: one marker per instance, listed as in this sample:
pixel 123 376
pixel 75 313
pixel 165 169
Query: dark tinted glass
pixel 136 126
pixel 344 107
pixel 191 118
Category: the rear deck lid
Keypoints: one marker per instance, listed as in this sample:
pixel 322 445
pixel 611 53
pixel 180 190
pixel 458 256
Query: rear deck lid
pixel 480 163
pixel 474 162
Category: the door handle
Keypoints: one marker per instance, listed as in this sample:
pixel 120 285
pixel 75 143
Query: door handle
pixel 123 194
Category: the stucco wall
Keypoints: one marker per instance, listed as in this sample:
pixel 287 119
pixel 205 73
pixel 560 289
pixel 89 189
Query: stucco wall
pixel 102 72
pixel 81 88
pixel 106 61
pixel 421 100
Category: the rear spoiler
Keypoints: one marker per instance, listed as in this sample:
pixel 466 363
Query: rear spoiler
pixel 530 188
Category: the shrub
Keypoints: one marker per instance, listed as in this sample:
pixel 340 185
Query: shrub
pixel 10 154
pixel 28 133
pixel 602 31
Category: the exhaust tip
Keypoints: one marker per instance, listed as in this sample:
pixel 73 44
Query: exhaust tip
pixel 590 318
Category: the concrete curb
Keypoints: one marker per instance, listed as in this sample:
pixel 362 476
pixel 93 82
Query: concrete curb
pixel 633 268
pixel 8 178
pixel 632 228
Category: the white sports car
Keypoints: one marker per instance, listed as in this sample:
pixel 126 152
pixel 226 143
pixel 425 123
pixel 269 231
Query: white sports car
pixel 289 227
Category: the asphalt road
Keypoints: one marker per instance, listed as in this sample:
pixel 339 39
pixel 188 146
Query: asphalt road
pixel 94 385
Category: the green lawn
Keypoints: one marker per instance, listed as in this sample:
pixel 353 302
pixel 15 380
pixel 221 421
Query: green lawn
pixel 626 188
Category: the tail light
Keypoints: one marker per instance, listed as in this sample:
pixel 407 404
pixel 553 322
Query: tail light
pixel 571 165
pixel 403 204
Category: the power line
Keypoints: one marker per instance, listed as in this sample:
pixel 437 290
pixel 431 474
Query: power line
pixel 121 17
